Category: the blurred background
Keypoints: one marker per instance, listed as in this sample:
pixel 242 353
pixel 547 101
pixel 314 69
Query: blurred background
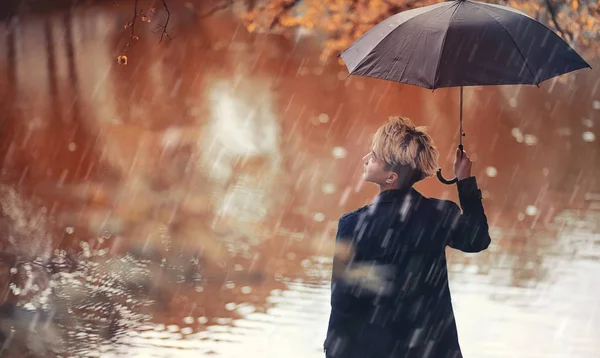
pixel 172 189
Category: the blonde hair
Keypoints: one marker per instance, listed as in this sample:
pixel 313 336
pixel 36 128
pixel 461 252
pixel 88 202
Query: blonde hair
pixel 399 143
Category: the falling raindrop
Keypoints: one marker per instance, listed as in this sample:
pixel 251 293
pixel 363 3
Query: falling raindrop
pixel 323 118
pixel 491 172
pixel 69 230
pixel 188 320
pixel 588 136
pixel 199 289
pixel 13 270
pixel 342 75
pixel 72 146
pixel 339 152
pixel 531 210
pixel 596 105
pixel 328 188
pixel 246 290
pixel 230 306
pixel 588 122
pixel 290 256
pixel 545 172
pixel 520 216
pixel 319 217
pixel 513 102
pixel 202 320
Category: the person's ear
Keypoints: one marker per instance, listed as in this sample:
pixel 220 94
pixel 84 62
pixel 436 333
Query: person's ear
pixel 392 177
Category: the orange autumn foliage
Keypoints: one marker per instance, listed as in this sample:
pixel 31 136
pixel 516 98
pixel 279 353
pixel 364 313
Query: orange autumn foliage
pixel 341 22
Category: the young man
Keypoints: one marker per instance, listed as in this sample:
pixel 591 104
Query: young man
pixel 389 293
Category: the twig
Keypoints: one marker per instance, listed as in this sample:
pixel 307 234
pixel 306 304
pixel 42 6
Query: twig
pixel 134 18
pixel 555 21
pixel 123 59
pixel 284 8
pixel 164 27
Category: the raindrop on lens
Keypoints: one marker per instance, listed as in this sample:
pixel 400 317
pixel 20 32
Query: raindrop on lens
pixel 319 217
pixel 491 172
pixel 588 137
pixel 530 139
pixel 531 210
pixel 328 188
pixel 339 152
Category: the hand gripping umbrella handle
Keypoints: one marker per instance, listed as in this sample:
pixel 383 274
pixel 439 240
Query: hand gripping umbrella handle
pixel 439 172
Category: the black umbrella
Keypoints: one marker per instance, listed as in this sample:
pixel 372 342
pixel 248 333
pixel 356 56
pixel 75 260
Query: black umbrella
pixel 461 43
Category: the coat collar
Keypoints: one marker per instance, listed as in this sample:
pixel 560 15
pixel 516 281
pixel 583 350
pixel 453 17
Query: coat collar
pixel 394 195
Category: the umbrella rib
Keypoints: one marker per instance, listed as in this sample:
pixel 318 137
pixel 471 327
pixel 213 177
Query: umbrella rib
pixel 437 68
pixel 482 8
pixel 410 42
pixel 391 47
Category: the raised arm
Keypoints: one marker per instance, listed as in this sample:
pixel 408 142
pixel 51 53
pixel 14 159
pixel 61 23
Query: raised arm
pixel 470 232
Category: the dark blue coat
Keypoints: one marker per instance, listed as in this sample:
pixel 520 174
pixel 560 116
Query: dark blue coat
pixel 404 235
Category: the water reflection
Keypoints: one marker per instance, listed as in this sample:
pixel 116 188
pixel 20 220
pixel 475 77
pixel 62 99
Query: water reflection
pixel 185 204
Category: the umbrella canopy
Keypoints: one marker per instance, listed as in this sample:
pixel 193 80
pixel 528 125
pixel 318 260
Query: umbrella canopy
pixel 461 43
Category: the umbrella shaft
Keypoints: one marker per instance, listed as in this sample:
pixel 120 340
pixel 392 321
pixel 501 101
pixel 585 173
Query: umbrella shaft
pixel 461 134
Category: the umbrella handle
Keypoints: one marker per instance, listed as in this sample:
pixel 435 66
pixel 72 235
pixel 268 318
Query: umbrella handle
pixel 443 180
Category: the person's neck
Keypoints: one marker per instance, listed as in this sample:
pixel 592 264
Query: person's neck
pixel 395 186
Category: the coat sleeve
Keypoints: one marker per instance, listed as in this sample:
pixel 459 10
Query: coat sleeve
pixel 469 230
pixel 344 250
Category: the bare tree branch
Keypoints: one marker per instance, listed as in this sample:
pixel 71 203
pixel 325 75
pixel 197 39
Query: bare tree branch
pixel 135 14
pixel 284 8
pixel 164 27
pixel 552 12
pixel 122 59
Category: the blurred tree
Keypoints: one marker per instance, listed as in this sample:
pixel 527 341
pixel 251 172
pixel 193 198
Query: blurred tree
pixel 343 21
